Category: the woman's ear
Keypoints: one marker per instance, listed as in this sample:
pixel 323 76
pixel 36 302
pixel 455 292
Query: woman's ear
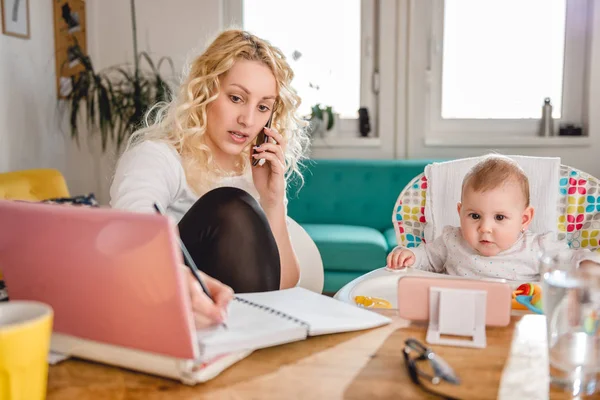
pixel 527 218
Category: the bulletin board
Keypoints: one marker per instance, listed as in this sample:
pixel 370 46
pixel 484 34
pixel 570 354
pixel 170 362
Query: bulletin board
pixel 69 32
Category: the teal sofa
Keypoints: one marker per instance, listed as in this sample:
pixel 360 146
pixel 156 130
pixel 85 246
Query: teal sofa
pixel 346 208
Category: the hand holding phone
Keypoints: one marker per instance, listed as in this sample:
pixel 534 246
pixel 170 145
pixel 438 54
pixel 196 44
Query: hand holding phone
pixel 261 139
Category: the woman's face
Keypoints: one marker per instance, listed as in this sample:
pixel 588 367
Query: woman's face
pixel 240 112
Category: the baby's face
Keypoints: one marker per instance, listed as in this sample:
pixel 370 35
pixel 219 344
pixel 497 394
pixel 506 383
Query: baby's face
pixel 492 221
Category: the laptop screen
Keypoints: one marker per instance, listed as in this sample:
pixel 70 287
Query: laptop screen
pixel 111 276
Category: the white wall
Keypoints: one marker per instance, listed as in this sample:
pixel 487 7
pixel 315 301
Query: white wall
pixel 173 28
pixel 178 29
pixel 30 136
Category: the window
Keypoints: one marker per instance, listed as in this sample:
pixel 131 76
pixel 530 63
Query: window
pixel 330 44
pixel 489 65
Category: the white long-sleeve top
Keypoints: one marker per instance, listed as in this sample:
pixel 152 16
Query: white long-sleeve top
pixel 152 172
pixel 450 253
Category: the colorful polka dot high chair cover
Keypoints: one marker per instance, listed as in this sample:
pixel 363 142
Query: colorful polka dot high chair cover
pixel 578 210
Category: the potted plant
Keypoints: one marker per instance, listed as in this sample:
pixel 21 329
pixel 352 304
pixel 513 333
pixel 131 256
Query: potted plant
pixel 322 120
pixel 115 100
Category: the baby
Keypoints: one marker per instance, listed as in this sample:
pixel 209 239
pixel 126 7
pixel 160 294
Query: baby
pixel 493 240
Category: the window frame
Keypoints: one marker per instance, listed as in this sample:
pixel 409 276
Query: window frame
pixel 232 16
pixel 429 15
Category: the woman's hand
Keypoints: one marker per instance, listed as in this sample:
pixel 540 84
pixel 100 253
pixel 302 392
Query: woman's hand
pixel 206 312
pixel 269 178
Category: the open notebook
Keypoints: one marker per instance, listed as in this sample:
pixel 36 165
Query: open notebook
pixel 265 319
pixel 256 320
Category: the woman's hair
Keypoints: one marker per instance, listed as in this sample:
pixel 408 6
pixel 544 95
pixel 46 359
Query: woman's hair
pixel 182 121
pixel 493 171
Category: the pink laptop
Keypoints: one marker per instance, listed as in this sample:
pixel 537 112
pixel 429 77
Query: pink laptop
pixel 112 278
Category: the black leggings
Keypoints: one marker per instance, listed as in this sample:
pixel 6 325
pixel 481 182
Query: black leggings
pixel 229 238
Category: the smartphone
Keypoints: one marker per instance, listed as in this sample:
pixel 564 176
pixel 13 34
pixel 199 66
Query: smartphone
pixel 260 139
pixel 413 297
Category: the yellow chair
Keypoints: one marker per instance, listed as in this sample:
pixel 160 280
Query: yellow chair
pixel 33 185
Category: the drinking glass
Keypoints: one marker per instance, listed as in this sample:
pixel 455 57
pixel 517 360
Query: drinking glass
pixel 571 303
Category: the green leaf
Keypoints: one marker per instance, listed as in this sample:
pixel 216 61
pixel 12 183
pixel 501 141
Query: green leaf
pixel 317 112
pixel 73 118
pixel 330 121
pixel 115 99
pixel 145 56
pixel 169 61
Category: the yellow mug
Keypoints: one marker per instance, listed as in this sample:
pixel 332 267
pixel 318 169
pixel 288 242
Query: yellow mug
pixel 25 329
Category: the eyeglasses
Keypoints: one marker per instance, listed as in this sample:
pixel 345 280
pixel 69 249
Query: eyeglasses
pixel 415 351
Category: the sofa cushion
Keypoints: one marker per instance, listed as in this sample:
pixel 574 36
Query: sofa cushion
pixel 347 247
pixel 335 280
pixel 390 237
pixel 351 192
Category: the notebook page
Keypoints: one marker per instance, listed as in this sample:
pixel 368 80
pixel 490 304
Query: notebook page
pixel 322 313
pixel 248 328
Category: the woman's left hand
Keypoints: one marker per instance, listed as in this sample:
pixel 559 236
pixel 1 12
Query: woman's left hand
pixel 269 178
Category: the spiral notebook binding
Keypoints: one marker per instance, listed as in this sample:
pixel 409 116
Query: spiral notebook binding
pixel 273 311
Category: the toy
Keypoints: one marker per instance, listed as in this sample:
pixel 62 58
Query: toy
pixel 591 324
pixel 527 296
pixel 371 302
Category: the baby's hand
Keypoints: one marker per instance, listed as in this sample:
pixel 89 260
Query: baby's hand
pixel 400 258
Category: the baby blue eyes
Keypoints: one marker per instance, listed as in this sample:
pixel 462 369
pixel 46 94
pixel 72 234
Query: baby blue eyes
pixel 477 216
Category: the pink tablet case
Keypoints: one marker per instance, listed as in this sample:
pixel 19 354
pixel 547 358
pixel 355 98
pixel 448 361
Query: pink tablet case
pixel 413 297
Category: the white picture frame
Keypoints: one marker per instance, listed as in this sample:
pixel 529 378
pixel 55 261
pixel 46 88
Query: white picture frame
pixel 15 18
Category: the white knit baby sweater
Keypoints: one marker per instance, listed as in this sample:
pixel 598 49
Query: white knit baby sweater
pixel 451 254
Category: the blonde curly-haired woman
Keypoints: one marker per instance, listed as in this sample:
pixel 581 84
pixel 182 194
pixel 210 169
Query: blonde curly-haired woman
pixel 194 158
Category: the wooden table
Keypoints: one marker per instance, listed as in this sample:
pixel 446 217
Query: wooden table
pixel 356 365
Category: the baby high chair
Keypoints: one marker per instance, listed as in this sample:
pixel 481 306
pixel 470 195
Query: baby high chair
pixel 578 221
pixel 578 210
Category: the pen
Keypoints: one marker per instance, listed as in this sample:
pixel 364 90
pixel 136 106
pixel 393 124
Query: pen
pixel 190 262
